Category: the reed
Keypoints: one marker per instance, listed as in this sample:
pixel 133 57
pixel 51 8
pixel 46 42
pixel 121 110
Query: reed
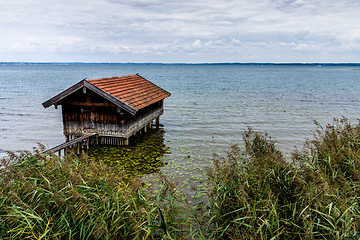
pixel 44 197
pixel 256 194
pixel 253 193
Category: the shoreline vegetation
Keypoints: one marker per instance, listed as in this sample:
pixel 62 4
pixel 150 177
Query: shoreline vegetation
pixel 253 193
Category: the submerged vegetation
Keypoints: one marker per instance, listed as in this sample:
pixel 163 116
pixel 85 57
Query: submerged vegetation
pixel 141 157
pixel 253 193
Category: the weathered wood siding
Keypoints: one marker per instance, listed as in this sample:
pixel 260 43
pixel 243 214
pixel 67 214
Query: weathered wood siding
pixel 87 112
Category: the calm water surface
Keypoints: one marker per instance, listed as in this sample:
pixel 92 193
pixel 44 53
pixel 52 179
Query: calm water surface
pixel 209 109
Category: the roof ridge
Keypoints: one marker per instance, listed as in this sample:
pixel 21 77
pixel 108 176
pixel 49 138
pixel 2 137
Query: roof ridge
pixel 116 77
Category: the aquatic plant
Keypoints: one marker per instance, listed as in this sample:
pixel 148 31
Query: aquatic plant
pixel 141 157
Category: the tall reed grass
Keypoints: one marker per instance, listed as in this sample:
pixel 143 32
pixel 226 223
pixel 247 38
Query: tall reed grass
pixel 44 197
pixel 257 194
pixel 254 193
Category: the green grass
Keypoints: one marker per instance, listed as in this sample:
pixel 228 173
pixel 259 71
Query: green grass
pixel 253 193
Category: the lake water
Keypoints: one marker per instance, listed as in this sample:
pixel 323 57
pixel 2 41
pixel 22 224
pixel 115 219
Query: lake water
pixel 210 105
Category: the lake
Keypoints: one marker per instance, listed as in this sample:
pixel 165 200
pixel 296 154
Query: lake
pixel 209 109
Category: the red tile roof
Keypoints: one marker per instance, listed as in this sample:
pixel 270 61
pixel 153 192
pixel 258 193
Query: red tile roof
pixel 133 90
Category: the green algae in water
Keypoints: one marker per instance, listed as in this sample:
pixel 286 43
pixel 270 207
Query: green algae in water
pixel 141 157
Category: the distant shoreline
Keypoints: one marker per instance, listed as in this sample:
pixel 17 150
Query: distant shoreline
pixel 234 63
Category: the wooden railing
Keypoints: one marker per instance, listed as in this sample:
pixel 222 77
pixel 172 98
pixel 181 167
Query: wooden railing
pixel 78 142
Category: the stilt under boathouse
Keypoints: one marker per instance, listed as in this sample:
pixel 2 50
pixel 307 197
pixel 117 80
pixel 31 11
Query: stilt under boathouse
pixel 107 111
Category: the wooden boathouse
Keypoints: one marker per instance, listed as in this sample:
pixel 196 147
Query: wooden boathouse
pixel 108 110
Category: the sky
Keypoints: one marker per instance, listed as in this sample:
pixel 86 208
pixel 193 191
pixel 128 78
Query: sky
pixel 179 31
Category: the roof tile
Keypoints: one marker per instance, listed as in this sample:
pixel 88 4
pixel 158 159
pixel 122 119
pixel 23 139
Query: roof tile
pixel 133 90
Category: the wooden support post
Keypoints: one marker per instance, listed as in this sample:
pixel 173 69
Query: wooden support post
pixel 126 143
pixel 145 129
pixel 66 138
pixel 157 122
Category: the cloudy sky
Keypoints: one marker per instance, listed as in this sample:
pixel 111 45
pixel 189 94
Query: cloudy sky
pixel 188 31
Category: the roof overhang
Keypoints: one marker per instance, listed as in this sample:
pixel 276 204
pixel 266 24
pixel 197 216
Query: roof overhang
pixel 83 83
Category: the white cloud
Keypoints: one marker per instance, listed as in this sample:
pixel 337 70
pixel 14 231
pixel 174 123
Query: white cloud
pixel 137 30
pixel 197 43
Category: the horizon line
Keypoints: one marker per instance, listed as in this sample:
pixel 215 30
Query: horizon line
pixel 180 63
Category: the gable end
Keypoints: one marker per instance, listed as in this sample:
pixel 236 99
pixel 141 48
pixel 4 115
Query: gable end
pixel 56 99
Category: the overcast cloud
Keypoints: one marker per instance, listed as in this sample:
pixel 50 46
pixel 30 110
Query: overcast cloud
pixel 180 31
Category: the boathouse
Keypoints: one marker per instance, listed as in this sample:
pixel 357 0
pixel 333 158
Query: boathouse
pixel 112 109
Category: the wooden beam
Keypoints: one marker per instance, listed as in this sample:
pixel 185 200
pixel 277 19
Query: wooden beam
pixel 64 94
pixel 90 104
pixel 71 143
